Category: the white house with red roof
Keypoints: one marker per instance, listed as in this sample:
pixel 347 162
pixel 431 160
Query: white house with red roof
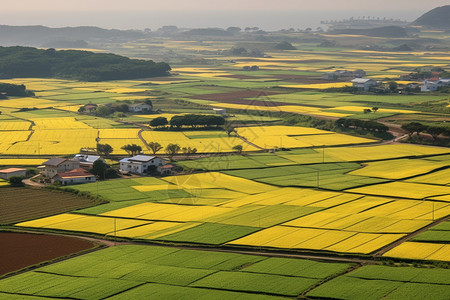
pixel 76 176
pixel 57 165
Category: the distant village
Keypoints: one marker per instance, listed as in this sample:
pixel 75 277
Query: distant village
pixel 431 82
pixel 79 169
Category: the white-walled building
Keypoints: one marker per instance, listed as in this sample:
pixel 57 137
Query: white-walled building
pixel 140 107
pixel 57 165
pixel 433 85
pixel 139 164
pixel 364 83
pixel 87 160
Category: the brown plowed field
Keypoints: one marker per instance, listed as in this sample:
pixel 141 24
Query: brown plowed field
pixel 21 204
pixel 21 250
pixel 235 95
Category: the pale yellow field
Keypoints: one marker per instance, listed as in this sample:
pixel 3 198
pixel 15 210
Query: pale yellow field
pixel 21 161
pixel 319 86
pixel 29 103
pixel 403 190
pixel 101 225
pixel 439 177
pixel 382 152
pixel 398 169
pixel 167 212
pixel 414 250
pixel 380 110
pixel 295 137
pixel 317 239
pixel 14 125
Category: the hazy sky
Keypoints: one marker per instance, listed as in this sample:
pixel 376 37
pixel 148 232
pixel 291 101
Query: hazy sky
pixel 140 14
pixel 195 5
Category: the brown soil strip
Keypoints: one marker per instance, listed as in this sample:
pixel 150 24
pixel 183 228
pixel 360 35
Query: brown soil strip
pixel 21 204
pixel 22 250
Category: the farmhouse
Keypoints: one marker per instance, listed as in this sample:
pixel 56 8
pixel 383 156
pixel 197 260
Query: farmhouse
pixel 432 85
pixel 86 161
pixel 57 165
pixel 8 173
pixel 220 111
pixel 140 164
pixel 344 74
pixel 140 107
pixel 364 83
pixel 166 169
pixel 76 176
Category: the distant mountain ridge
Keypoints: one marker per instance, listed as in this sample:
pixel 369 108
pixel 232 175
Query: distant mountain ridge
pixel 438 17
pixel 40 35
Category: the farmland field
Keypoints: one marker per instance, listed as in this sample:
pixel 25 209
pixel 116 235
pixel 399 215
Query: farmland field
pixel 15 253
pixel 126 272
pixel 19 204
pixel 282 201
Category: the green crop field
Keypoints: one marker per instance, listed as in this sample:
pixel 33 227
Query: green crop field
pixel 124 272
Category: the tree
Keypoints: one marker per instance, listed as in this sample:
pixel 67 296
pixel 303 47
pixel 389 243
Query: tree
pixel 367 110
pixel 16 181
pixel 188 151
pixel 414 127
pixel 238 148
pixel 99 169
pixel 375 109
pixel 132 149
pixel 171 150
pixel 155 146
pixel 104 149
pixel 159 121
pixel 435 131
pixel 103 111
pixel 234 29
pixel 393 86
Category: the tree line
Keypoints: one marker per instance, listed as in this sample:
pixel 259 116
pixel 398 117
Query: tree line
pixel 434 131
pixel 19 90
pixel 190 120
pixel 362 124
pixel 16 62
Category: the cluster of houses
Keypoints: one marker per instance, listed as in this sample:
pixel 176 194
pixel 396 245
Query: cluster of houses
pixel 76 170
pixel 433 84
pixel 134 108
pixel 367 84
pixel 344 74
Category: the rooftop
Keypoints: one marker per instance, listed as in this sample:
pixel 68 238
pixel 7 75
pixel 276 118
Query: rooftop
pixel 56 161
pixel 142 158
pixel 361 80
pixel 11 170
pixel 75 173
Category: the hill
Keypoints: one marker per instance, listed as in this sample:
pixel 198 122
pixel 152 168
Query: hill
pixel 438 17
pixel 41 35
pixel 74 64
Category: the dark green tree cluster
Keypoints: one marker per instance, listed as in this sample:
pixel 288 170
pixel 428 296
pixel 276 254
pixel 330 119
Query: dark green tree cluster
pixel 159 122
pixel 434 131
pixel 362 124
pixel 74 64
pixel 15 90
pixel 196 120
pixel 132 149
pixel 102 171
